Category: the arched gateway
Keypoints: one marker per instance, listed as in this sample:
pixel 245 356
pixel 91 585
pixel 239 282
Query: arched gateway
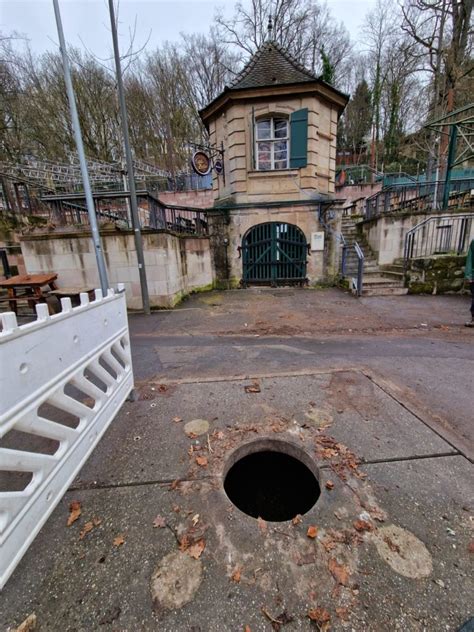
pixel 274 253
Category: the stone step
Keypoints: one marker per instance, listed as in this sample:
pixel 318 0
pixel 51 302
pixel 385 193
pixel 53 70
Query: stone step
pixel 392 274
pixel 393 269
pixel 368 262
pixel 384 291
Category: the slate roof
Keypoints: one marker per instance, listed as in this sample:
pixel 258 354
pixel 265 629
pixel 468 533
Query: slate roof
pixel 271 65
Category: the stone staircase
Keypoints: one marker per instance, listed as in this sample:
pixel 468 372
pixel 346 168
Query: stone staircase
pixel 378 281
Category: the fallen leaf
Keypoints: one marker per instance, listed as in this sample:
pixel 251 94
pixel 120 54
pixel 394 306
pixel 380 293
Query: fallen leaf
pixel 177 419
pixel 320 615
pixel 86 529
pixel 285 618
pixel 470 548
pixel 376 513
pixel 159 522
pixel 329 545
pixel 184 543
pixel 247 629
pixel 119 540
pixel 262 525
pixel 339 572
pixel 74 512
pixel 202 461
pixel 195 550
pixel 297 519
pixel 236 574
pixel 391 545
pixel 162 388
pixel 328 453
pixel 312 532
pixel 343 613
pixel 253 388
pixel 190 450
pixel 195 519
pixel 28 624
pixel 174 484
pixel 363 525
pixel 329 485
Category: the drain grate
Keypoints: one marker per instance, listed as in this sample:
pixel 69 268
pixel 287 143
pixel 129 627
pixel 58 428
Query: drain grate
pixel 271 485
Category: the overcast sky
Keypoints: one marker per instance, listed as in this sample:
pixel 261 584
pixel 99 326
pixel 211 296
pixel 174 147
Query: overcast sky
pixel 87 20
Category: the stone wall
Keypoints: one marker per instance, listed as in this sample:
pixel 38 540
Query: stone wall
pixel 175 265
pixel 439 274
pixel 231 224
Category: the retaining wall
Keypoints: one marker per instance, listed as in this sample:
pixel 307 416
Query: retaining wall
pixel 386 234
pixel 439 274
pixel 176 265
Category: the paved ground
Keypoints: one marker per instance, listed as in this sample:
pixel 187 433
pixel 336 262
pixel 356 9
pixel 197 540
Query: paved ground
pixel 375 395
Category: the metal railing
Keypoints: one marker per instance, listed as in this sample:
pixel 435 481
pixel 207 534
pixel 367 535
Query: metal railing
pixel 344 254
pixel 178 219
pixel 113 207
pixel 442 234
pixel 358 283
pixel 419 196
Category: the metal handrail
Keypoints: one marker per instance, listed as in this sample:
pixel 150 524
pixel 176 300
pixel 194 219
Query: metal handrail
pixel 440 234
pixel 425 195
pixel 358 283
pixel 344 254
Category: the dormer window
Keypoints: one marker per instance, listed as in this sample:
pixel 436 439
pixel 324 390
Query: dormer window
pixel 271 139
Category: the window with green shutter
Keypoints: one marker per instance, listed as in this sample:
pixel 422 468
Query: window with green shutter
pixel 299 139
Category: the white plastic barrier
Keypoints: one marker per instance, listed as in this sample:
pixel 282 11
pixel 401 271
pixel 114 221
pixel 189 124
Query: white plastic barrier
pixel 63 379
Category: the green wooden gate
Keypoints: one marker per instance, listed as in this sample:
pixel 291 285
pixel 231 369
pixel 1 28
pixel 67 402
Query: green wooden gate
pixel 274 253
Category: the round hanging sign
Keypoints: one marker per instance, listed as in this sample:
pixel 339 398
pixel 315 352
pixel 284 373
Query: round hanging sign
pixel 201 163
pixel 218 167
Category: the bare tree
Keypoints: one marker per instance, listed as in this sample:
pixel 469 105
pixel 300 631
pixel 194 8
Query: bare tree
pixel 444 30
pixel 303 27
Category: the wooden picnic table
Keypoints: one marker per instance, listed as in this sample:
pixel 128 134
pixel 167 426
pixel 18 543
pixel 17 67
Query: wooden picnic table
pixel 28 287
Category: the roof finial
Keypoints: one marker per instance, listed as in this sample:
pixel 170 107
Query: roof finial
pixel 270 27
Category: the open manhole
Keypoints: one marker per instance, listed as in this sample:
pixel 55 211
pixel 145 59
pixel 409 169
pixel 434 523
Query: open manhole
pixel 273 480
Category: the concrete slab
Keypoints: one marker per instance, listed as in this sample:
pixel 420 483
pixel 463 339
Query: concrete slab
pixel 83 584
pixel 146 443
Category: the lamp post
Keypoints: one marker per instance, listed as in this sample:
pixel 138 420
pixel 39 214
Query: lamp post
pixel 128 157
pixel 99 254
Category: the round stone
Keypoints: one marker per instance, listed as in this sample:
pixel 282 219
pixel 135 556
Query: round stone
pixel 403 551
pixel 175 580
pixel 196 427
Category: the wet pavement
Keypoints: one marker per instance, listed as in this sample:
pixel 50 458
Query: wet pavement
pixel 375 395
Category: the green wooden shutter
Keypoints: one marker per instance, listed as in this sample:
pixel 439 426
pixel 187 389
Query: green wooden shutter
pixel 299 139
